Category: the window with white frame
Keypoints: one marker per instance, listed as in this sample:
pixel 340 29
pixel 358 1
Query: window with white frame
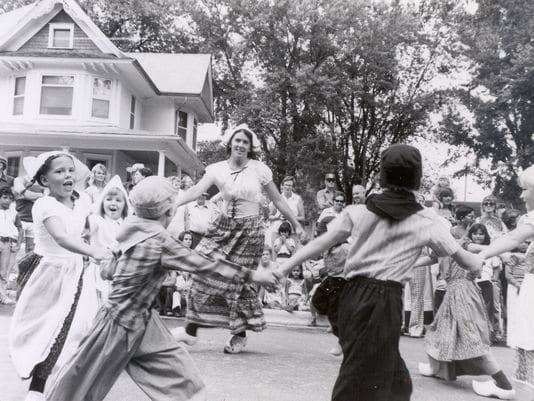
pixel 132 112
pixel 61 36
pixel 18 96
pixel 101 97
pixel 181 124
pixel 56 94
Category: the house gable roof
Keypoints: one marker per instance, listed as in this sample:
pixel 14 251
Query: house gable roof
pixel 176 73
pixel 179 74
pixel 23 23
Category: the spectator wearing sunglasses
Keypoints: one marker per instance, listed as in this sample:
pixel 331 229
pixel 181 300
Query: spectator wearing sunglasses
pixel 325 196
pixel 490 218
pixel 339 205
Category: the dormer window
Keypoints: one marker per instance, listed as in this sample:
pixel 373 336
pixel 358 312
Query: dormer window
pixel 61 36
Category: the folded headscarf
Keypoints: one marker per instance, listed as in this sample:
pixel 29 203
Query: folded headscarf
pixel 255 146
pixel 152 197
pixel 33 164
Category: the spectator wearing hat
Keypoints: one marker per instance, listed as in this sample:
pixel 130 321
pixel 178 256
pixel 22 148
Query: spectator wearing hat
pixel 388 234
pixel 199 218
pixel 5 180
pixel 132 170
pixel 325 196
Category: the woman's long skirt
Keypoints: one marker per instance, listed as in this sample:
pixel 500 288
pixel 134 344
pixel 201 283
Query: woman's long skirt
pixel 218 302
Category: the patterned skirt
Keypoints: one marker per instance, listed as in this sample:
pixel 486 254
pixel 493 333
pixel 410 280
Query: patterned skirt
pixel 460 330
pixel 219 302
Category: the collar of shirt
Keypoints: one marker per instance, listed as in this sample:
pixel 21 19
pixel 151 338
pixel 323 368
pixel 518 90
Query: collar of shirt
pixel 135 230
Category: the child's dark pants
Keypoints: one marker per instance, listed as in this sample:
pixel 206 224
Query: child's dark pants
pixel 370 317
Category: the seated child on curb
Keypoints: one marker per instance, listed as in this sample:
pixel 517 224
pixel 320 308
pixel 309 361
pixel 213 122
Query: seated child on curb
pixel 284 245
pixel 126 333
pixel 295 290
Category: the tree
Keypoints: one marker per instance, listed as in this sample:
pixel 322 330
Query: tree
pixel 211 151
pixel 499 122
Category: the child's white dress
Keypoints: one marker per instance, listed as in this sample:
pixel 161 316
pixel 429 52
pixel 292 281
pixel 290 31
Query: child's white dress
pixel 103 234
pixel 50 292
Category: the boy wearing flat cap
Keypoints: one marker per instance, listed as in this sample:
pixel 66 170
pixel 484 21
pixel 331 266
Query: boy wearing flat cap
pixel 388 234
pixel 127 334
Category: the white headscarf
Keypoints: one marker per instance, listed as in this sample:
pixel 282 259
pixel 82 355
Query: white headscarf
pixel 255 146
pixel 33 164
pixel 115 182
pixel 152 197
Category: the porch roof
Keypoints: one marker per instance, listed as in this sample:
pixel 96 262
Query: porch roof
pixel 100 137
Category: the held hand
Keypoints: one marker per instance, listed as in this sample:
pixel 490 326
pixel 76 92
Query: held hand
pixel 100 254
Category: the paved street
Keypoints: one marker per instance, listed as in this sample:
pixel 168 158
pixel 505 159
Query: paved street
pixel 281 364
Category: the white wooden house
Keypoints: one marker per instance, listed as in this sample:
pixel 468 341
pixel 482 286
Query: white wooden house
pixel 64 84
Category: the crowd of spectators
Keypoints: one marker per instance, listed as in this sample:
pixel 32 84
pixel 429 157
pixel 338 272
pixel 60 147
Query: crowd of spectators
pixel 195 219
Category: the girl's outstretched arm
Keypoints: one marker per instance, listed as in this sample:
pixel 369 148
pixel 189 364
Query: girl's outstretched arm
pixel 508 241
pixel 55 227
pixel 313 248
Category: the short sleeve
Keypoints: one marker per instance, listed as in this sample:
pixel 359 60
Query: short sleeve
pixel 211 169
pixel 343 222
pixel 527 219
pixel 441 240
pixel 265 175
pixel 44 208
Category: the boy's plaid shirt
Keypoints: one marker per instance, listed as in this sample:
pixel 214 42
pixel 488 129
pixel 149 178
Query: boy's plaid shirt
pixel 141 271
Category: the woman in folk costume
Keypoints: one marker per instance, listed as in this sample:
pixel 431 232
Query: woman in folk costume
pixel 239 234
pixel 108 213
pixel 55 308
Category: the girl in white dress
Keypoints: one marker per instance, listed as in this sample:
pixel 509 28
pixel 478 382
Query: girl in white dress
pixel 109 211
pixel 524 343
pixel 48 322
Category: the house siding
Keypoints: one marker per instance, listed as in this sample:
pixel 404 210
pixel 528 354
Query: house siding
pixel 81 44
